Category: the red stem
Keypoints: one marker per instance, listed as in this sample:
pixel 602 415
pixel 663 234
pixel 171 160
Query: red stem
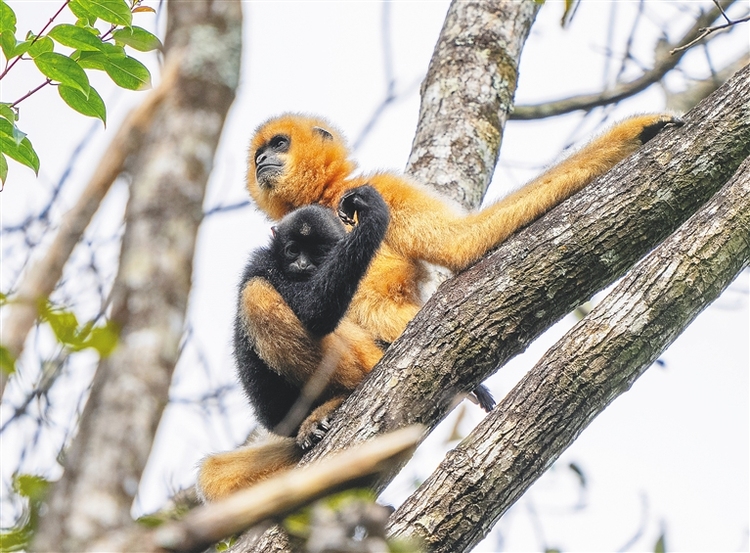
pixel 30 92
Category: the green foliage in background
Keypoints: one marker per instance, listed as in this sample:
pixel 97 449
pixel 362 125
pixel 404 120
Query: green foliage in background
pixel 32 489
pixel 103 29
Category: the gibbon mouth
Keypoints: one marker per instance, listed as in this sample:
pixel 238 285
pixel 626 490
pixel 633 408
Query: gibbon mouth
pixel 265 173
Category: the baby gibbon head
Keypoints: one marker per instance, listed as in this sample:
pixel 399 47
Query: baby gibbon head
pixel 296 160
pixel 303 240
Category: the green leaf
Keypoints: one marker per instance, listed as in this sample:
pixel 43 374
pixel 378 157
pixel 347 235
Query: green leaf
pixel 8 112
pixel 63 70
pixel 64 324
pixel 113 50
pixel 81 13
pixel 31 486
pixel 102 338
pixel 23 153
pixel 128 73
pixel 93 106
pixel 138 38
pixel 7 43
pixel 16 538
pixel 91 60
pixel 41 46
pixel 18 135
pixel 111 11
pixel 21 48
pixel 7 363
pixel 7 19
pixel 76 37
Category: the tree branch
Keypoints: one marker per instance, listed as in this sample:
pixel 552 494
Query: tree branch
pixel 274 497
pixel 581 375
pixel 662 65
pixel 467 95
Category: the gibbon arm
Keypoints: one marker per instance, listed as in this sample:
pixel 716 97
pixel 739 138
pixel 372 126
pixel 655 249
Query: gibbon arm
pixel 425 228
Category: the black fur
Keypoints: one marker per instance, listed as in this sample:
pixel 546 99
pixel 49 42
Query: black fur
pixel 316 266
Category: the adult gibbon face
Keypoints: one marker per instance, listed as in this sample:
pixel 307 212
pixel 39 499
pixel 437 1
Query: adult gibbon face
pixel 293 159
pixel 269 163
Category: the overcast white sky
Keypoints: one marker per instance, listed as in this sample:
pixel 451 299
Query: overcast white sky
pixel 672 453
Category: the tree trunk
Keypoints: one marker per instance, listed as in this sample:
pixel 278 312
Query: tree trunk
pixel 581 375
pixel 467 96
pixel 130 389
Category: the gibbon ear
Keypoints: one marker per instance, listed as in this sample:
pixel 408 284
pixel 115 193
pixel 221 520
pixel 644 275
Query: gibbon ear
pixel 324 133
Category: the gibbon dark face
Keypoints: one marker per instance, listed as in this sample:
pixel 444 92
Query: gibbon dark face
pixel 269 162
pixel 304 239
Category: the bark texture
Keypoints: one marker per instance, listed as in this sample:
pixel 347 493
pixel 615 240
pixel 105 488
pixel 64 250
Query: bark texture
pixel 467 96
pixel 479 320
pixel 581 375
pixel 169 174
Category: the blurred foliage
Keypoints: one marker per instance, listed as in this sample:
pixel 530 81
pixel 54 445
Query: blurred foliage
pixel 32 489
pixel 346 521
pixel 77 337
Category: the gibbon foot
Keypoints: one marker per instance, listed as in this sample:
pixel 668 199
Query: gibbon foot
pixel 652 129
pixel 317 424
pixel 484 397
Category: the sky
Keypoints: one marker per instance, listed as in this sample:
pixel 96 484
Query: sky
pixel 672 454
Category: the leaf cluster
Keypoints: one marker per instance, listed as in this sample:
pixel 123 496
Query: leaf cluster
pixel 98 40
pixel 68 332
pixel 75 336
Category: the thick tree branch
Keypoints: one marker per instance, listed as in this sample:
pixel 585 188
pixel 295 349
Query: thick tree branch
pixel 149 298
pixel 581 375
pixel 479 320
pixel 662 65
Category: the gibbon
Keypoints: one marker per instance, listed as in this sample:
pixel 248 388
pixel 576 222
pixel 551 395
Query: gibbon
pixel 312 266
pixel 297 160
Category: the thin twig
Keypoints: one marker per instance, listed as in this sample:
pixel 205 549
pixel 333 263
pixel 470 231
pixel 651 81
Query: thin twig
pixel 624 90
pixel 705 31
pixel 30 92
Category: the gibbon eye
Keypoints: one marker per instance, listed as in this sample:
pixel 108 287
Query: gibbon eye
pixel 279 142
pixel 292 249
